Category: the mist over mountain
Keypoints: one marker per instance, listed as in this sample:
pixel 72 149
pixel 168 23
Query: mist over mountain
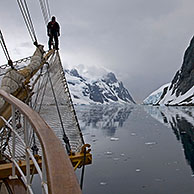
pixel 181 89
pixel 104 89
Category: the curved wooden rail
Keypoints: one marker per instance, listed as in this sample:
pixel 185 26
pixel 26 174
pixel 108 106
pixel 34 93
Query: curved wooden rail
pixel 60 174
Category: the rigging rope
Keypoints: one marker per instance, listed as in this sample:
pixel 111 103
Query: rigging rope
pixel 27 19
pixel 48 8
pixel 44 5
pixel 83 170
pixel 5 50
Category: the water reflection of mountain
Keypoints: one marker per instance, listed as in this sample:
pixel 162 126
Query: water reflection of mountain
pixel 108 118
pixel 181 120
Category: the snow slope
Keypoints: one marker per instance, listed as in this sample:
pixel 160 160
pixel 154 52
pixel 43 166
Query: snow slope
pixel 183 99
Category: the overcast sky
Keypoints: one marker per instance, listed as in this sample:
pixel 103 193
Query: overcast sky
pixel 141 41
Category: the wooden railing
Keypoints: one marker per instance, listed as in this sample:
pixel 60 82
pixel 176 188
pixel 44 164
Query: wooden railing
pixel 60 176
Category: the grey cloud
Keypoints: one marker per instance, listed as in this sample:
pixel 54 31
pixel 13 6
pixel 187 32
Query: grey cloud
pixel 142 41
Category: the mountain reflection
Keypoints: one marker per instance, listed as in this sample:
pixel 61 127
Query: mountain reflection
pixel 107 118
pixel 181 120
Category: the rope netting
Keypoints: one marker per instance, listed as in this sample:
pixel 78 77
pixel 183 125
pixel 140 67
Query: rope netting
pixel 44 102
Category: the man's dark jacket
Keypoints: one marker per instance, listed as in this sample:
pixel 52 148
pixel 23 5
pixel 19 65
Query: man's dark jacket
pixel 53 28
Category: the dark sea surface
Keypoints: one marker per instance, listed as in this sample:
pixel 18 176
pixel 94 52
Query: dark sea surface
pixel 138 149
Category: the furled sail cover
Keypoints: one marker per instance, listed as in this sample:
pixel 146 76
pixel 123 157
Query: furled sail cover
pixel 13 79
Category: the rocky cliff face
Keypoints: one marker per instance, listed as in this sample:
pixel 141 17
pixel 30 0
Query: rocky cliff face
pixel 181 89
pixel 184 78
pixel 104 90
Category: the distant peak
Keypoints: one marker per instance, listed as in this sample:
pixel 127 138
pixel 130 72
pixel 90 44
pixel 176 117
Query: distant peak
pixel 74 72
pixel 101 90
pixel 110 78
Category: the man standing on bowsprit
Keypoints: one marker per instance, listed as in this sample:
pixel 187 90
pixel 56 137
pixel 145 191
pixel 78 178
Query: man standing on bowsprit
pixel 53 31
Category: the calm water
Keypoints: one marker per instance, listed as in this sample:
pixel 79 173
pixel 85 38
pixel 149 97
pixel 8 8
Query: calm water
pixel 139 149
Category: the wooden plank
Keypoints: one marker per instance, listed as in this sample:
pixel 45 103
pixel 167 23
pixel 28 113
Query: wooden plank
pixel 6 169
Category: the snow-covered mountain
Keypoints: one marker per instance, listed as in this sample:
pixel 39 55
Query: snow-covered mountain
pixel 181 90
pixel 102 90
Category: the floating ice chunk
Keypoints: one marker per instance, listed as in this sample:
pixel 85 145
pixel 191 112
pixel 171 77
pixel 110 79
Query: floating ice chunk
pixel 159 179
pixel 114 139
pixel 137 170
pixel 133 134
pixel 122 154
pixel 116 159
pixel 103 183
pixel 150 143
pixel 108 153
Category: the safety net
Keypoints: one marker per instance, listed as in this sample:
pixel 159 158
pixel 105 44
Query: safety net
pixel 52 100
